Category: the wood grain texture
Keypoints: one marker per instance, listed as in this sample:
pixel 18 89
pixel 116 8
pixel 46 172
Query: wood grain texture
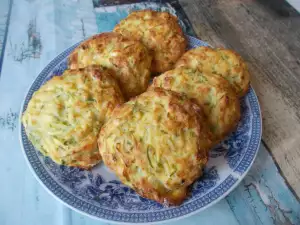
pixel 261 198
pixel 270 43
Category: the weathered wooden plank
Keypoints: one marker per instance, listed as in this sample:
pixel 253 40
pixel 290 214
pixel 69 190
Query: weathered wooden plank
pixel 263 197
pixel 20 193
pixel 24 201
pixel 5 12
pixel 271 45
pixel 37 33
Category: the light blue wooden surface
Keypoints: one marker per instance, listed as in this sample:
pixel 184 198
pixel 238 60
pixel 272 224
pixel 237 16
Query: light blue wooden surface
pixel 38 31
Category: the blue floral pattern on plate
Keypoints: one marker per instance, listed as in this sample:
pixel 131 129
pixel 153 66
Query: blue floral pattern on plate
pixel 98 193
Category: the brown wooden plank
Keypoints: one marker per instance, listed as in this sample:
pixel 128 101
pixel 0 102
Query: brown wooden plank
pixel 270 42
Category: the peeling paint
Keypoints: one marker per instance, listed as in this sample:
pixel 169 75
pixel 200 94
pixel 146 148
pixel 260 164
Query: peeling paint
pixel 31 49
pixel 9 120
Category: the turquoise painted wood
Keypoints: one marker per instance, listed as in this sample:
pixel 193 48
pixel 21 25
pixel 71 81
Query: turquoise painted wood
pixel 37 32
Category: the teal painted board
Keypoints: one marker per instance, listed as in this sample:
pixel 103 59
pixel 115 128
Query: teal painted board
pixel 38 31
pixel 264 192
pixel 35 36
pixel 107 17
pixel 5 12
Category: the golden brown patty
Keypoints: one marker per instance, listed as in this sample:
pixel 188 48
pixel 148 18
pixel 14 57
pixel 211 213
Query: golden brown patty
pixel 64 116
pixel 212 92
pixel 160 32
pixel 223 62
pixel 157 144
pixel 129 59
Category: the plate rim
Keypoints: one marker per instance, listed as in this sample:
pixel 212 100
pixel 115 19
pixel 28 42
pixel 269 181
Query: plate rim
pixel 115 221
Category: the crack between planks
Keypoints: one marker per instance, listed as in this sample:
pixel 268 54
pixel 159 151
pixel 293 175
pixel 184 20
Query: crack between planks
pixel 280 171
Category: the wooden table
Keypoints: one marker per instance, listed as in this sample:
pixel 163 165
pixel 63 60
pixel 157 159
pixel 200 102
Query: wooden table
pixel 268 36
pixel 265 32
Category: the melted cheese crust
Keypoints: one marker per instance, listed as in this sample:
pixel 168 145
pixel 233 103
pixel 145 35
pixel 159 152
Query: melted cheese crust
pixel 65 115
pixel 157 144
pixel 222 62
pixel 212 92
pixel 129 59
pixel 159 32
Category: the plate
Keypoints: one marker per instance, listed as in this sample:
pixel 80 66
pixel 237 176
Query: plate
pixel 99 194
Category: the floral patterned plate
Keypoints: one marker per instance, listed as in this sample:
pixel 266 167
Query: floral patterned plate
pixel 99 194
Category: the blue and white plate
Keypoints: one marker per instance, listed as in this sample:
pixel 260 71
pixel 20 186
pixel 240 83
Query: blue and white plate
pixel 98 193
